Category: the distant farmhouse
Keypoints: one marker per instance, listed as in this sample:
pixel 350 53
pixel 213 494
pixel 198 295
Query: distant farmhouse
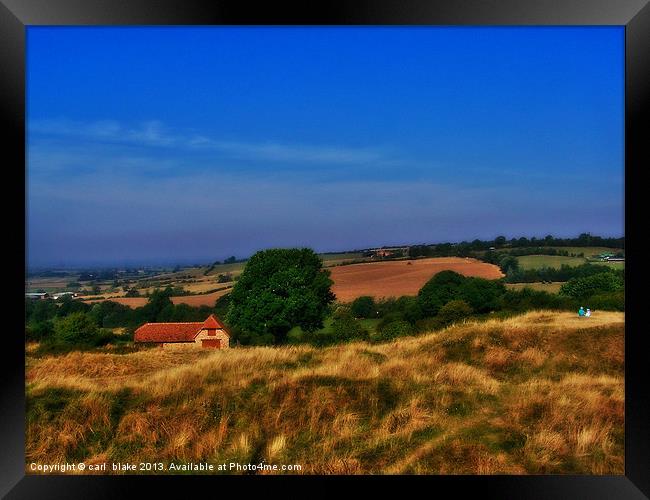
pixel 610 257
pixel 210 334
pixel 45 295
pixel 387 252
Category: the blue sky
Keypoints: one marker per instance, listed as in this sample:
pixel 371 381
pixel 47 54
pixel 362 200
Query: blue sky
pixel 184 144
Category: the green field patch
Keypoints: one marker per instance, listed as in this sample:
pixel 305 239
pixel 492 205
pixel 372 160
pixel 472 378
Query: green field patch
pixel 528 262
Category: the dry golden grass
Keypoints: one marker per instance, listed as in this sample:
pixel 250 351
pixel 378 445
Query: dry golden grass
pixel 537 393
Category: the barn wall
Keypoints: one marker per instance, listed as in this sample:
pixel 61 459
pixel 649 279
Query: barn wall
pixel 221 335
pixel 203 334
pixel 180 345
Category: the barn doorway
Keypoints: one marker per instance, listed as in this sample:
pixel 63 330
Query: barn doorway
pixel 211 343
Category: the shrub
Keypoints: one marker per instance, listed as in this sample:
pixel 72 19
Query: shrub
pixel 528 299
pixel 428 325
pixel 481 294
pixel 439 290
pixel 389 318
pixel 103 337
pixel 224 278
pixel 341 310
pixel 40 310
pixel 364 307
pixel 611 301
pixel 394 329
pixel 39 331
pixel 347 328
pixel 321 339
pixel 77 328
pixel 454 310
pixel 581 288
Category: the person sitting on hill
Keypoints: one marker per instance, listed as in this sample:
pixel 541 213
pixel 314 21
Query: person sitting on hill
pixel 581 311
pixel 588 313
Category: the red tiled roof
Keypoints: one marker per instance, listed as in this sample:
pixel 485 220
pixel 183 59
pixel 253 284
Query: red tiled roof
pixel 175 332
pixel 167 332
pixel 212 322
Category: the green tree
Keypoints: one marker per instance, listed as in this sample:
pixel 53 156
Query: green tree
pixel 394 329
pixel 39 330
pixel 582 288
pixel 159 307
pixel 347 328
pixel 40 310
pixel 68 305
pixel 509 265
pixel 439 290
pixel 224 278
pixel 499 241
pixel 364 307
pixel 453 311
pixel 280 289
pixel 481 294
pixel 77 328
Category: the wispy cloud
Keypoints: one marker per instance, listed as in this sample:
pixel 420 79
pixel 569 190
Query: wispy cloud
pixel 155 134
pixel 148 133
pixel 295 153
pixel 118 217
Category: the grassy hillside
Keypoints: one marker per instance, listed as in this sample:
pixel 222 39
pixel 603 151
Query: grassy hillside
pixel 538 393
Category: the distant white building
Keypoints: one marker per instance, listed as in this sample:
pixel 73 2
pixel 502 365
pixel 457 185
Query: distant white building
pixel 37 295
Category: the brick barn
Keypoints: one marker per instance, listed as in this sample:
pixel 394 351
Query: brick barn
pixel 210 334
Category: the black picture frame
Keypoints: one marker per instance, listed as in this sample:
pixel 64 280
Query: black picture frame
pixel 16 15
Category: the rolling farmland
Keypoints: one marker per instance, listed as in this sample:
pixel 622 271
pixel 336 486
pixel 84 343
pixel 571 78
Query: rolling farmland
pixel 207 299
pixel 401 277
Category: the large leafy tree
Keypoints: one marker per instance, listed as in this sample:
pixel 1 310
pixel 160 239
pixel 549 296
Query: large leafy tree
pixel 581 288
pixel 278 290
pixel 481 294
pixel 76 328
pixel 439 290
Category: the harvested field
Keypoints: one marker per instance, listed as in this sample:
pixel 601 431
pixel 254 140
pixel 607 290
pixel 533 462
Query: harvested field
pixel 207 299
pixel 127 301
pixel 401 277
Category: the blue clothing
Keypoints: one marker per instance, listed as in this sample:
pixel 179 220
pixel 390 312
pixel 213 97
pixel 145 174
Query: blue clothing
pixel 581 312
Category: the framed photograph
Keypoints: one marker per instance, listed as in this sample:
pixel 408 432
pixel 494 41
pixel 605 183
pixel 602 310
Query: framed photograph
pixel 376 242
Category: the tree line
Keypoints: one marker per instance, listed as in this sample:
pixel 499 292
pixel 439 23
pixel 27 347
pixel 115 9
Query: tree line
pixel 467 249
pixel 280 289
